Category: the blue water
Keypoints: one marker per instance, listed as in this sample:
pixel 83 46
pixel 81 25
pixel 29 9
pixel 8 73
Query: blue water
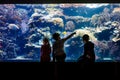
pixel 20 25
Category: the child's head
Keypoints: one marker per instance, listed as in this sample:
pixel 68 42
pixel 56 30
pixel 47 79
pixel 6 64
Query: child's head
pixel 85 38
pixel 56 36
pixel 45 41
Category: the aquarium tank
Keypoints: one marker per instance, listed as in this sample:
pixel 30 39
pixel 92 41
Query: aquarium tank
pixel 23 27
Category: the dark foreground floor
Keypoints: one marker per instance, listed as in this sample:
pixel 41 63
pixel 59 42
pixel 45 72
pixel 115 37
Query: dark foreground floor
pixel 60 71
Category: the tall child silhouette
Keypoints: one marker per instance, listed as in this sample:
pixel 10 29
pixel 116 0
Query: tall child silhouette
pixel 58 47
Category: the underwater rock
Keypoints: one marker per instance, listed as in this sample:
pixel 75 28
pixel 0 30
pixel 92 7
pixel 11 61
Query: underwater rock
pixel 13 26
pixel 102 45
pixel 40 11
pixel 58 21
pixel 11 50
pixel 47 34
pixel 71 5
pixel 50 5
pixel 46 29
pixel 100 19
pixel 114 49
pixel 78 5
pixel 2 18
pixel 115 16
pixel 77 18
pixel 105 34
pixel 107 23
pixel 65 5
pixel 9 6
pixel 94 19
pixel 70 25
pixel 24 27
pixel 3 55
pixel 34 38
pixel 81 32
pixel 54 11
pixel 9 12
pixel 115 23
pixel 100 29
pixel 116 10
pixel 44 32
pixel 116 38
pixel 106 10
pixel 36 16
pixel 22 13
pixel 116 31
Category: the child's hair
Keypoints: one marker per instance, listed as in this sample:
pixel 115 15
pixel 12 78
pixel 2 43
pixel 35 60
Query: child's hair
pixel 46 40
pixel 55 36
pixel 86 37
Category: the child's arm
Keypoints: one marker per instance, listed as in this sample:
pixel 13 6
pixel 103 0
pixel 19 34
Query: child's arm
pixel 69 36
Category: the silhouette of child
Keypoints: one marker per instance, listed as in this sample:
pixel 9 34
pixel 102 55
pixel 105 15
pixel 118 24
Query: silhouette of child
pixel 45 51
pixel 89 54
pixel 58 47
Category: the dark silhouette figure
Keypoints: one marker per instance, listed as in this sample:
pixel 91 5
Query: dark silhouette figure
pixel 45 51
pixel 58 47
pixel 89 54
